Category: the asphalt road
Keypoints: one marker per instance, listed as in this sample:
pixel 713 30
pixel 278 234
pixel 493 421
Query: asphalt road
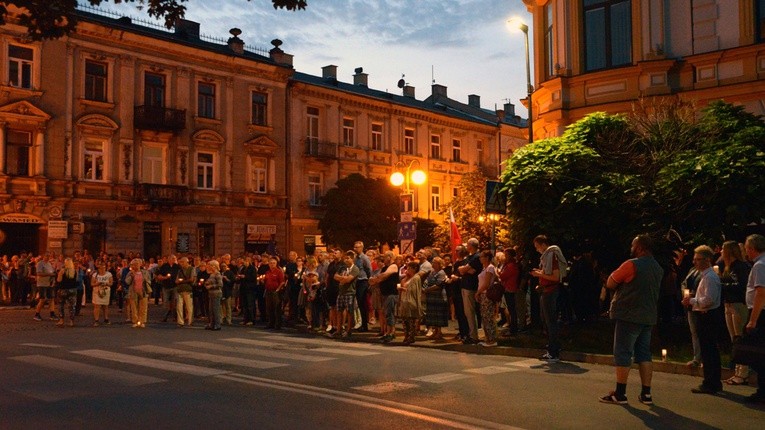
pixel 118 377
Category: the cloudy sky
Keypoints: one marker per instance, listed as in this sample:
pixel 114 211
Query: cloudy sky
pixel 462 44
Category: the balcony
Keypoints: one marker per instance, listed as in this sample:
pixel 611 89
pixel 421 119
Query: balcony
pixel 163 195
pixel 319 149
pixel 159 118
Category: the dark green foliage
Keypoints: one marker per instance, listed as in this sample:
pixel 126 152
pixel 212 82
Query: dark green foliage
pixel 360 208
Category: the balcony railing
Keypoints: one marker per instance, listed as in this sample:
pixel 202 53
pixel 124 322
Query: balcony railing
pixel 165 195
pixel 319 149
pixel 159 118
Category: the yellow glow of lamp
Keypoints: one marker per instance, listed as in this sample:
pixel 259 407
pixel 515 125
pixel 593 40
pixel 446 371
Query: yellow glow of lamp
pixel 397 179
pixel 419 177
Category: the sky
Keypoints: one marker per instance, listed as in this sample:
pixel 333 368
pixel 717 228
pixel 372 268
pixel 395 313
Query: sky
pixel 462 44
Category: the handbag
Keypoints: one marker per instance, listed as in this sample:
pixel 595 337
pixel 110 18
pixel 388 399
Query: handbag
pixel 749 349
pixel 495 291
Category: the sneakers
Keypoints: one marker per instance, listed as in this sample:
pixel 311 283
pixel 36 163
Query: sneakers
pixel 613 399
pixel 487 344
pixel 329 328
pixel 549 358
pixel 693 363
pixel 37 317
pixel 645 399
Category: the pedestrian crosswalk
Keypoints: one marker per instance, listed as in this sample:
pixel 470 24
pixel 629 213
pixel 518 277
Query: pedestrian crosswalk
pixel 149 363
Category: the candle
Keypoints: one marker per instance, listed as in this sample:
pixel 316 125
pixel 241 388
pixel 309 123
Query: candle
pixel 663 355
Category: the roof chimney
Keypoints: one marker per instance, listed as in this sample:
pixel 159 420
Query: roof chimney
pixel 408 91
pixel 329 72
pixel 509 110
pixel 474 100
pixel 186 29
pixel 438 90
pixel 235 43
pixel 360 78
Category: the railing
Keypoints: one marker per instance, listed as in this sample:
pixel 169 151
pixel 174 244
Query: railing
pixel 159 118
pixel 166 195
pixel 316 148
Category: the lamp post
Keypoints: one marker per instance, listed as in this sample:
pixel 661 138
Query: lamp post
pixel 407 227
pixel 518 24
pixel 492 218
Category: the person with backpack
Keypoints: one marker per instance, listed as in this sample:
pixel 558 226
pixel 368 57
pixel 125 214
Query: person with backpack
pixel 552 269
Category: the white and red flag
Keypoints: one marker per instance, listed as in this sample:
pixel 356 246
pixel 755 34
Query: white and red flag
pixel 454 235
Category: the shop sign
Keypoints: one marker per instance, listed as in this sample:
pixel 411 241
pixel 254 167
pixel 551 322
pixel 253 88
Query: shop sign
pixel 20 219
pixel 58 229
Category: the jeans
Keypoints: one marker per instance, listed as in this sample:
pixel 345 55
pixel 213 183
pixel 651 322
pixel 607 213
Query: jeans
pixel 214 297
pixel 362 285
pixel 468 302
pixel 67 299
pixel 692 325
pixel 708 325
pixel 548 306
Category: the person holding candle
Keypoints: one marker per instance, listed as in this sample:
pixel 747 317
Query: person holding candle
pixel 185 285
pixel 138 281
pixel 634 306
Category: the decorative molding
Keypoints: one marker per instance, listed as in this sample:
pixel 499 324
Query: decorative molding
pixel 182 156
pixel 127 156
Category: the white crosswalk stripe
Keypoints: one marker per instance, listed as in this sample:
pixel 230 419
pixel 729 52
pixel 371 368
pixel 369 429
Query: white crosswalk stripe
pixel 325 350
pixel 334 343
pixel 223 359
pixel 88 370
pixel 253 351
pixel 441 378
pixel 526 364
pixel 137 360
pixel 386 387
pixel 491 370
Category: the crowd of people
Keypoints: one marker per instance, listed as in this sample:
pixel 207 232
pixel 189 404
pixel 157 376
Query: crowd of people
pixel 337 292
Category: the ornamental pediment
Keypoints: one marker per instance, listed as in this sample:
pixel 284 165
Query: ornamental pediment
pixel 97 123
pixel 206 137
pixel 23 111
pixel 261 144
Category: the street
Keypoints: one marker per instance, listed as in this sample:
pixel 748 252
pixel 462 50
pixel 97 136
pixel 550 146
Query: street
pixel 118 377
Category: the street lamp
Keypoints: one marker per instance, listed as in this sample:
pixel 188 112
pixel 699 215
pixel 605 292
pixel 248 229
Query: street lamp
pixel 406 228
pixel 518 24
pixel 492 218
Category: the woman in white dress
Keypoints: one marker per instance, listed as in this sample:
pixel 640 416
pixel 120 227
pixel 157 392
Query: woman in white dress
pixel 102 283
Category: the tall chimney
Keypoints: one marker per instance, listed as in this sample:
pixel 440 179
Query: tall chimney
pixel 186 29
pixel 235 43
pixel 474 100
pixel 360 78
pixel 408 91
pixel 438 90
pixel 509 110
pixel 329 72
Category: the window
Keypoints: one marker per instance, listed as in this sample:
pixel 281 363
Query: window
pixel 760 17
pixel 479 150
pixel 435 197
pixel 456 150
pixel 259 108
pixel 206 100
pixel 205 170
pixel 377 137
pixel 455 192
pixel 259 175
pixel 409 141
pixel 154 90
pixel 153 168
pixel 95 80
pixel 435 146
pixel 549 53
pixel 17 145
pixel 349 128
pixel 312 125
pixel 20 61
pixel 93 162
pixel 206 239
pixel 314 188
pixel 607 33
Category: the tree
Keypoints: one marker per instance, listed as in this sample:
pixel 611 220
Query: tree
pixel 660 167
pixel 469 209
pixel 360 208
pixel 52 19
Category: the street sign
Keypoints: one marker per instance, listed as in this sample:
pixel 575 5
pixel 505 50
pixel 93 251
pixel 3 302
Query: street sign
pixel 406 203
pixel 496 201
pixel 407 216
pixel 407 231
pixel 58 229
pixel 406 247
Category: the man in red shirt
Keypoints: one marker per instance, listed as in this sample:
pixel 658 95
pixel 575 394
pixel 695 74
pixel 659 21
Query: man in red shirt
pixel 274 282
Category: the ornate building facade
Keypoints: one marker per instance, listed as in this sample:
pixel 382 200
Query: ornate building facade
pixel 603 55
pixel 126 137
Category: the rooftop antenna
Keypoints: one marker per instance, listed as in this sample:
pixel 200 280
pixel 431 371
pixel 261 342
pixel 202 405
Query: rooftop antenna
pixel 432 74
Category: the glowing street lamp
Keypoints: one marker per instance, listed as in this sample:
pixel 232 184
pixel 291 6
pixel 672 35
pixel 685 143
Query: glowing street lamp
pixel 408 177
pixel 515 24
pixel 407 231
pixel 492 218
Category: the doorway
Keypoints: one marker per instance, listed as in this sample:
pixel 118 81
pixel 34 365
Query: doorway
pixel 18 237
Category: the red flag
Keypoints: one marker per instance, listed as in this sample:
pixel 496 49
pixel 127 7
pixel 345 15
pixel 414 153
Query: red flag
pixel 454 235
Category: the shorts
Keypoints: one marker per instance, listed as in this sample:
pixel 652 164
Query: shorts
pixel 631 339
pixel 169 294
pixel 389 305
pixel 45 293
pixel 345 302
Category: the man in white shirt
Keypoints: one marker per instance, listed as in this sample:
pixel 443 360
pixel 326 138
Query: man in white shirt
pixel 706 305
pixel 45 275
pixel 755 301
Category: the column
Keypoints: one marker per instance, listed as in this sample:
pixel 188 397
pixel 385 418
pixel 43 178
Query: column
pixel 39 152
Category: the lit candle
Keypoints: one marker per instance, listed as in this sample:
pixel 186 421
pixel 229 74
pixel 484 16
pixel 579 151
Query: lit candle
pixel 663 355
